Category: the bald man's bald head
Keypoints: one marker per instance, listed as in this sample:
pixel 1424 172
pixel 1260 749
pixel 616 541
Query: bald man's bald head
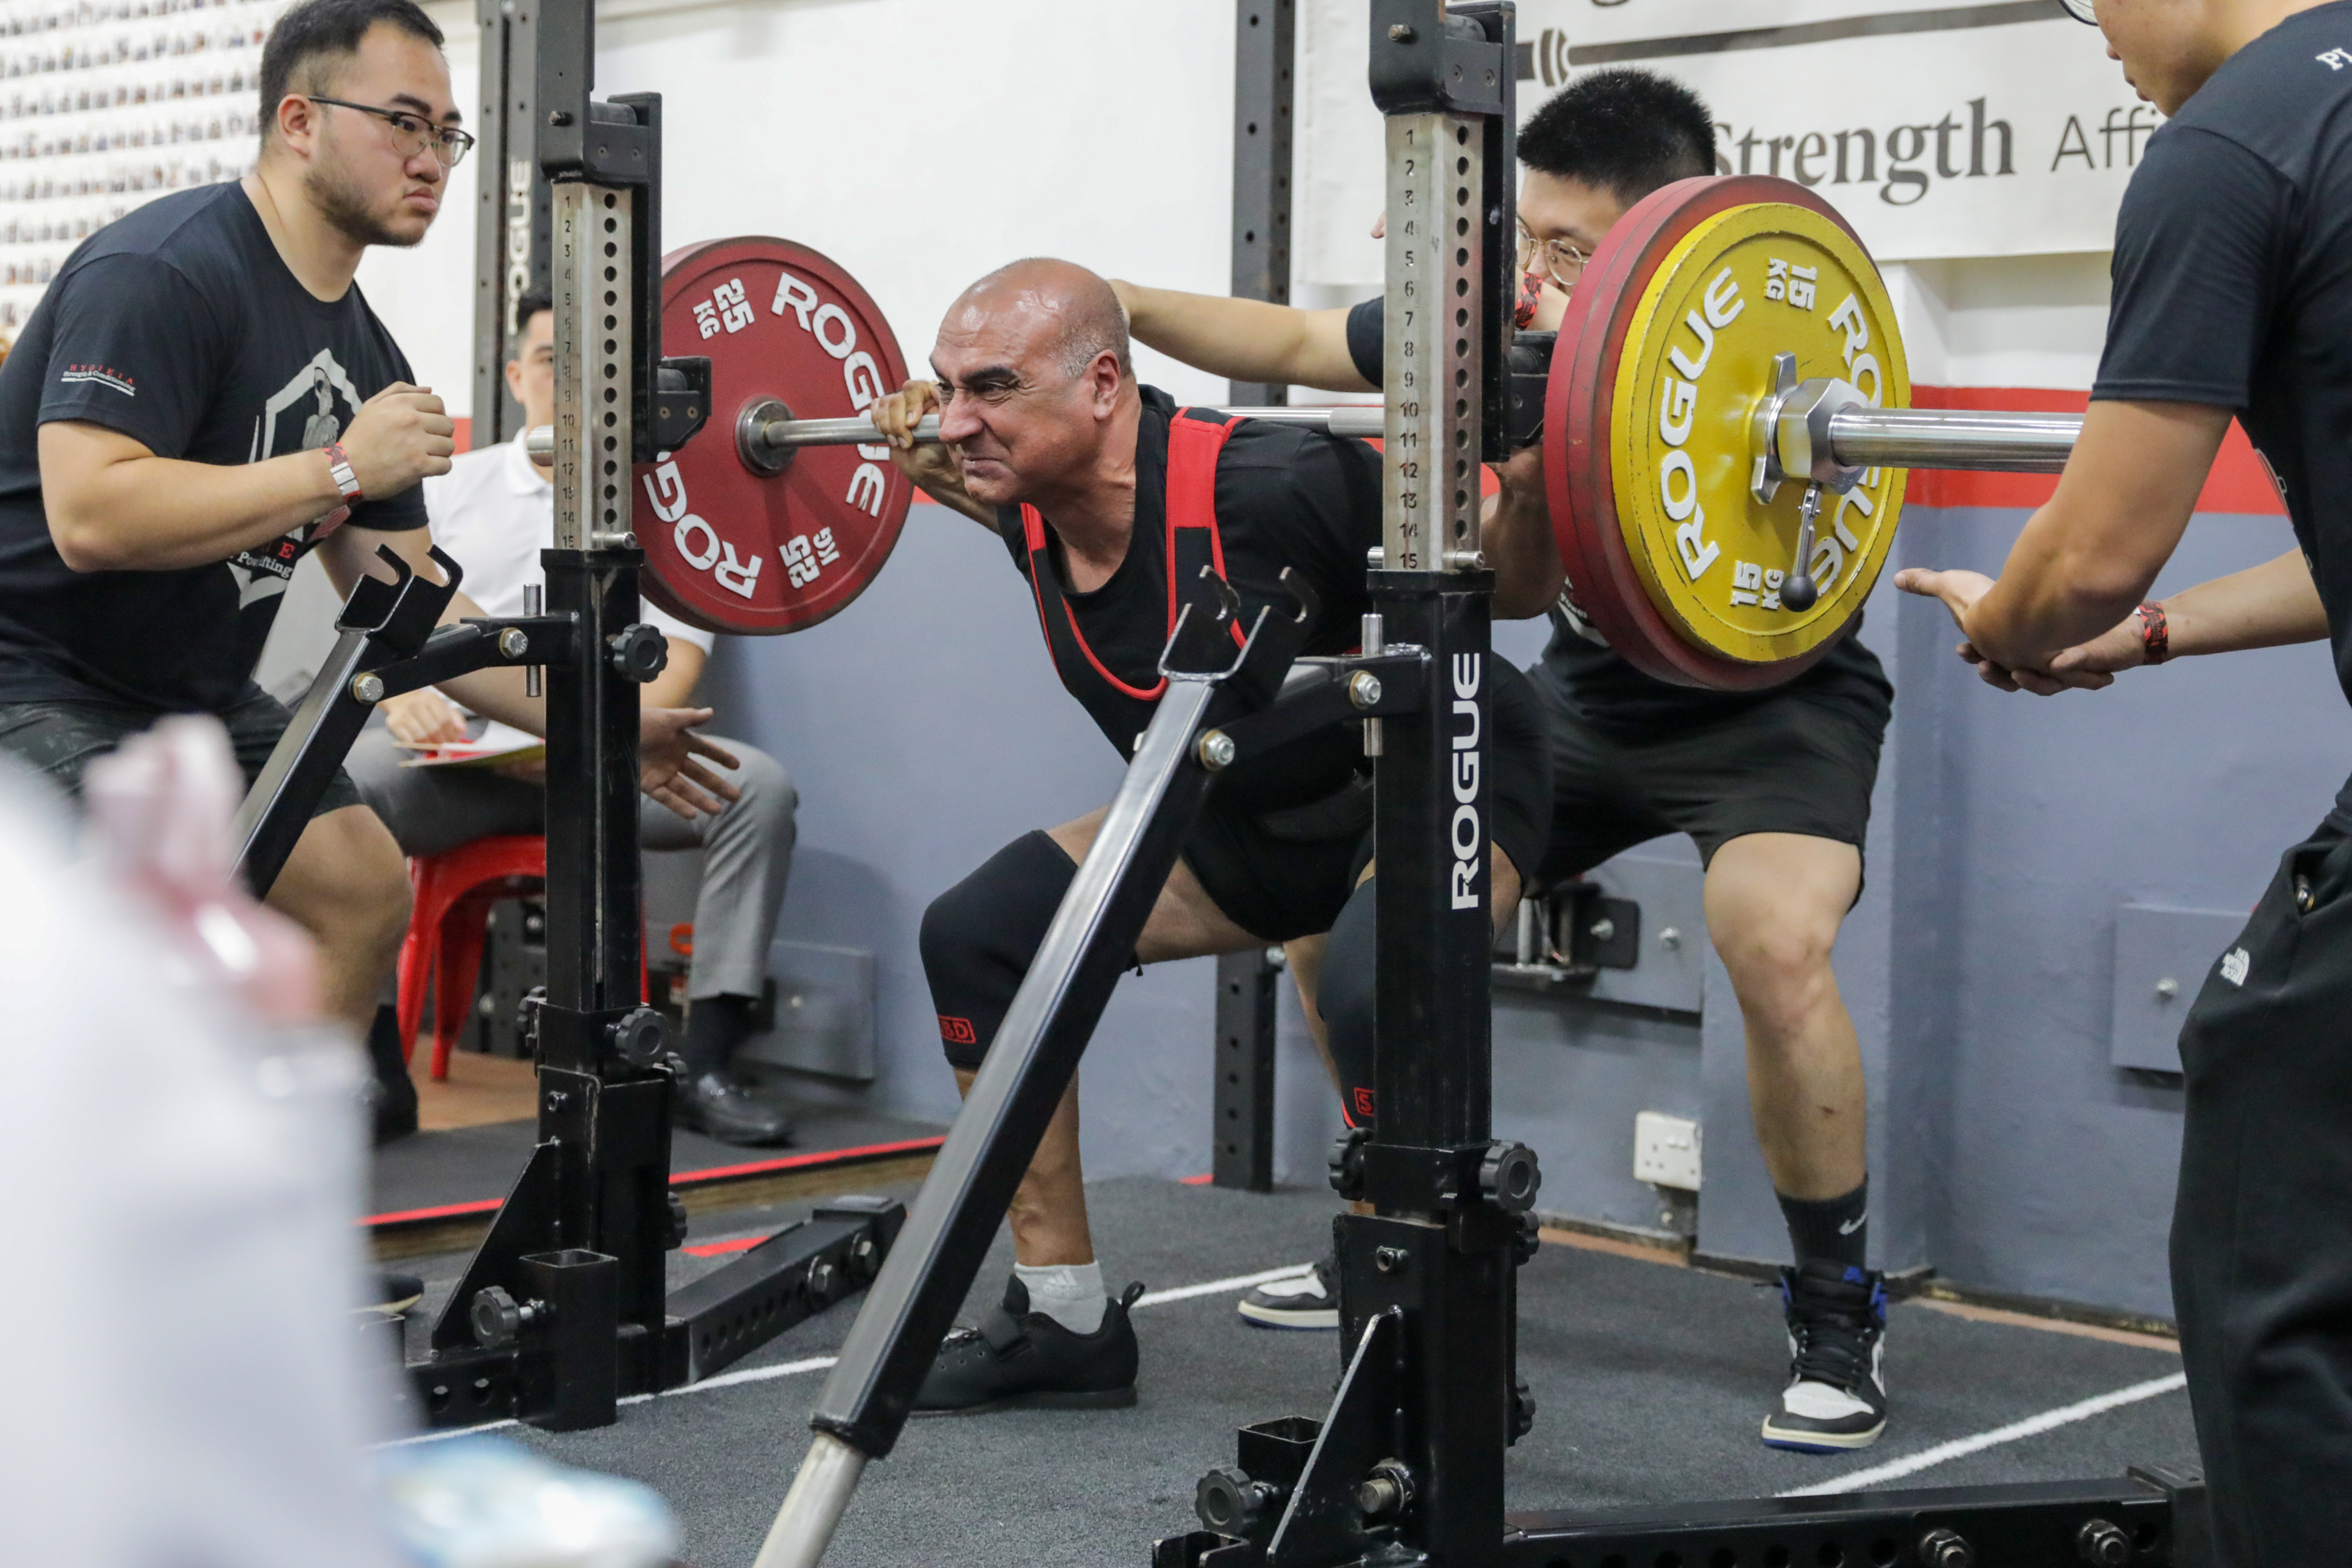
pixel 1076 312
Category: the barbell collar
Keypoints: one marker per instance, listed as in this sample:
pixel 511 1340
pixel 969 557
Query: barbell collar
pixel 1953 438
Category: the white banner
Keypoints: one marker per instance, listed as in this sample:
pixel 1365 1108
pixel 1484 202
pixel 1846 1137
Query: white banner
pixel 1938 129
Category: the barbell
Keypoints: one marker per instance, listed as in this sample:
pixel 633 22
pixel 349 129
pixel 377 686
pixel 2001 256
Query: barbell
pixel 1727 434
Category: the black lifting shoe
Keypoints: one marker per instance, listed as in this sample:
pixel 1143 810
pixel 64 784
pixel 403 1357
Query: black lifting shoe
pixel 717 1105
pixel 1836 1398
pixel 1017 1359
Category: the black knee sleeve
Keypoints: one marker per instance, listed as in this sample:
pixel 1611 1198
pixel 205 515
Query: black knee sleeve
pixel 1347 996
pixel 979 935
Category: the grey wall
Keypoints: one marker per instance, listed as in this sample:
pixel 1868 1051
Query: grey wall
pixel 2052 1172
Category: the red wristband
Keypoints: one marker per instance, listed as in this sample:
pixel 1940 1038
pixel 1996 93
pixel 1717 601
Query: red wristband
pixel 2155 632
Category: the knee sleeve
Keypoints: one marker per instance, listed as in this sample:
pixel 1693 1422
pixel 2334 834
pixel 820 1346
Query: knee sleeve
pixel 979 936
pixel 1346 997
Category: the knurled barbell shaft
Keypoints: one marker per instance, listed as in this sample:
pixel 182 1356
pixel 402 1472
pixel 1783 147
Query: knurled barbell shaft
pixel 1953 438
pixel 784 435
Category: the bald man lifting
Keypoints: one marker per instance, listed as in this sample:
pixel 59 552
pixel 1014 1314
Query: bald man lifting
pixel 1106 493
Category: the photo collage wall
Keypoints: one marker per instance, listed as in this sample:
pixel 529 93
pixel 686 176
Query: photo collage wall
pixel 107 104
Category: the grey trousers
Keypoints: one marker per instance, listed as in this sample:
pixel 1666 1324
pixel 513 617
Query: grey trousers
pixel 747 849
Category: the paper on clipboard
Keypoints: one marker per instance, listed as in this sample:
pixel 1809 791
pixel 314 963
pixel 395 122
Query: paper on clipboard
pixel 498 743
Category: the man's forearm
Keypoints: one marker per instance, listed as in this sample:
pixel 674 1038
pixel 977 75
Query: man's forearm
pixel 2083 559
pixel 1244 339
pixel 162 514
pixel 2262 606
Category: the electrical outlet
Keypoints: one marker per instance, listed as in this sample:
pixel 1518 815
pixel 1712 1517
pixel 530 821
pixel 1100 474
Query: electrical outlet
pixel 1667 1149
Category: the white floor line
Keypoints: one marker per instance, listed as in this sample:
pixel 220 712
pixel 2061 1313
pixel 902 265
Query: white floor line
pixel 2033 1426
pixel 1217 1286
pixel 822 1362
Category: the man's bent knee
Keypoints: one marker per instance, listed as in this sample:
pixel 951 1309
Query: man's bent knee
pixel 979 936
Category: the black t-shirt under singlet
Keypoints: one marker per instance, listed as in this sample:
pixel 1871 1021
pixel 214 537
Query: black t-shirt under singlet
pixel 1597 685
pixel 2234 279
pixel 1287 497
pixel 181 326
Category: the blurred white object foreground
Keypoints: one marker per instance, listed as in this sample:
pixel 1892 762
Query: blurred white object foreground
pixel 484 1502
pixel 181 1173
pixel 177 1256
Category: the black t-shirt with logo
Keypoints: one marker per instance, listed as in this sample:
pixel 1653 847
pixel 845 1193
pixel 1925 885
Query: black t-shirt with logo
pixel 2234 279
pixel 179 326
pixel 1580 671
pixel 1287 497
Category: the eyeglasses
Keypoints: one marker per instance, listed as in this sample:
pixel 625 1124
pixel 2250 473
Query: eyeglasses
pixel 1562 262
pixel 411 133
pixel 2087 10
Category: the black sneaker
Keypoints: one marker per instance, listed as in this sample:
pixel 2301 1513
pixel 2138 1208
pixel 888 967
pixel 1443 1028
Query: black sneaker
pixel 717 1105
pixel 1309 1300
pixel 1017 1359
pixel 1836 1398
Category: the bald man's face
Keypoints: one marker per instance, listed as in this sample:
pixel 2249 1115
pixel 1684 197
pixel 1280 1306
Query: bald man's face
pixel 1019 427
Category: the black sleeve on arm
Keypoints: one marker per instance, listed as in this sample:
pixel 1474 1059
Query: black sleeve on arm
pixel 133 347
pixel 1367 335
pixel 2199 244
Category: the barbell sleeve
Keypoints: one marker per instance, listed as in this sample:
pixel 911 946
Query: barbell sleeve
pixel 1953 438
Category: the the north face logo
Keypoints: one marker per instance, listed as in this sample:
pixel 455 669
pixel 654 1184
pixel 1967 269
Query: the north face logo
pixel 2235 965
pixel 958 1031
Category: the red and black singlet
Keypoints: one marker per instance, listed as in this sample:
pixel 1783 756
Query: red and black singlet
pixel 1123 707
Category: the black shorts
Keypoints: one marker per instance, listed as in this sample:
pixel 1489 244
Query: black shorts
pixel 1791 763
pixel 1289 874
pixel 59 739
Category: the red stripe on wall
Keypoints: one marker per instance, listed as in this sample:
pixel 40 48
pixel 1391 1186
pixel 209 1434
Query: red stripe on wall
pixel 2239 482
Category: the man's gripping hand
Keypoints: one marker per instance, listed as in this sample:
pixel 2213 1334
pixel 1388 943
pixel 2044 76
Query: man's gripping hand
pixel 423 717
pixel 930 464
pixel 400 436
pixel 666 752
pixel 2086 666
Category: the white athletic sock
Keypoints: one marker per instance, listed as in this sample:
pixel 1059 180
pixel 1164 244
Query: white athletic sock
pixel 1069 1293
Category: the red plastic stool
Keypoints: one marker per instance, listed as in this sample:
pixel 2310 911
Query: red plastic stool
pixel 453 893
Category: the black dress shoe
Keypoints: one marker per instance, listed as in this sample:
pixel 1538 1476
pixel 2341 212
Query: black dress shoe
pixel 719 1106
pixel 392 1109
pixel 1017 1359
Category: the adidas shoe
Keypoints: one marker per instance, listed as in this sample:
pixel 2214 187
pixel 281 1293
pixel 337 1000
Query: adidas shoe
pixel 1017 1359
pixel 1836 1398
pixel 1309 1300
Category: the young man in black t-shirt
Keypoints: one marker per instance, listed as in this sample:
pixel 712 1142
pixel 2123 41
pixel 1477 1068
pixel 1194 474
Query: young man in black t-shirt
pixel 1773 786
pixel 201 399
pixel 2232 296
pixel 1107 496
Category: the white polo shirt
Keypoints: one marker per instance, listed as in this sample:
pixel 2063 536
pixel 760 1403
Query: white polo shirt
pixel 493 513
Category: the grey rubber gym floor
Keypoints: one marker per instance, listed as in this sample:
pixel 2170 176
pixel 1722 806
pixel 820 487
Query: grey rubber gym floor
pixel 1650 1381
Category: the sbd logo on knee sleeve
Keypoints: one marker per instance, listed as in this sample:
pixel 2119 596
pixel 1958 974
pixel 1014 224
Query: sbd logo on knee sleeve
pixel 1469 834
pixel 958 1031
